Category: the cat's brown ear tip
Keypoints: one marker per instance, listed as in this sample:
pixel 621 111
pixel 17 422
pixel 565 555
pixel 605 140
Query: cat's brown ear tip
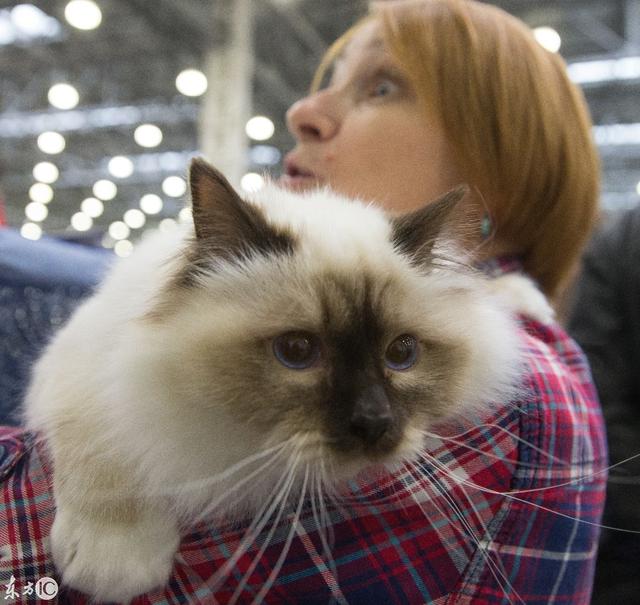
pixel 460 191
pixel 198 167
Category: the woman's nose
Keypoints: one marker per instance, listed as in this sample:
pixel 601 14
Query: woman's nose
pixel 309 119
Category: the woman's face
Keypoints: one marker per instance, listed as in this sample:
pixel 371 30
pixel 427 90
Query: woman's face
pixel 367 135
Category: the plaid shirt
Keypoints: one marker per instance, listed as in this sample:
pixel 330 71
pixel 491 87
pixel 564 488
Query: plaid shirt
pixel 448 534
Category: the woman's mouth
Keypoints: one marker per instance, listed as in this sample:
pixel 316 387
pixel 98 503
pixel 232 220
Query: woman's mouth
pixel 297 177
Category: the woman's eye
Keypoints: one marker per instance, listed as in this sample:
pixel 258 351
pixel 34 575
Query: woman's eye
pixel 296 350
pixel 402 353
pixel 384 88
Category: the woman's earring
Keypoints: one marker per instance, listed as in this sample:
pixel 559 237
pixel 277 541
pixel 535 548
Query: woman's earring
pixel 486 226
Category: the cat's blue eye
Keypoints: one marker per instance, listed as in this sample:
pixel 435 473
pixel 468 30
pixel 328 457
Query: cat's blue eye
pixel 402 353
pixel 297 350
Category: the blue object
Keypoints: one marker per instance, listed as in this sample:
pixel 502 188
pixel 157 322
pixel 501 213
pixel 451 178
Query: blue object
pixel 41 283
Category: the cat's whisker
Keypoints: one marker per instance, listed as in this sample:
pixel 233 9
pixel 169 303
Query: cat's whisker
pixel 322 522
pixel 277 496
pixel 197 484
pixel 482 452
pixel 510 495
pixel 456 439
pixel 496 568
pixel 287 544
pixel 283 499
pixel 574 481
pixel 328 488
pixel 211 506
pixel 522 441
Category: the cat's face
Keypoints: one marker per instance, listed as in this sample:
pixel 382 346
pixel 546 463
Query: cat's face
pixel 322 319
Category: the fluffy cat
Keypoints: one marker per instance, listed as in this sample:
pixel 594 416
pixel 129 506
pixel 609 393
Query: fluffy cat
pixel 306 320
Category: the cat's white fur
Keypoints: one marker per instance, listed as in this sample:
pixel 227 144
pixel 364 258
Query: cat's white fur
pixel 110 410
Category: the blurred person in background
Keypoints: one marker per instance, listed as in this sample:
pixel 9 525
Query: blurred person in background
pixel 605 321
pixel 420 96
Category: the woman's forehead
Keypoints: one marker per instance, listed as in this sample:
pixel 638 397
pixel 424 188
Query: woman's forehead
pixel 366 44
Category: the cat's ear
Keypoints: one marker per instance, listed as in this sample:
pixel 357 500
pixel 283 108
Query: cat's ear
pixel 416 233
pixel 225 224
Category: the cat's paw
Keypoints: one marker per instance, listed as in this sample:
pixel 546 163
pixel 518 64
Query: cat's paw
pixel 113 562
pixel 522 296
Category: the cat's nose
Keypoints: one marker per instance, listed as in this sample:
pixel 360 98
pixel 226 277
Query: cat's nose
pixel 371 417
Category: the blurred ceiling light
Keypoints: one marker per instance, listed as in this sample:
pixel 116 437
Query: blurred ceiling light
pixel 63 96
pixel 46 172
pixel 134 218
pixel 83 14
pixel 105 190
pixel 118 230
pixel 167 224
pixel 40 192
pixel 51 142
pixel 121 167
pixel 81 222
pixel 148 135
pixel 123 248
pixel 617 134
pixel 174 186
pixel 151 203
pixel 548 38
pixel 588 72
pixel 92 207
pixel 26 22
pixel 260 128
pixel 251 182
pixel 31 231
pixel 35 211
pixel 185 215
pixel 191 82
pixel 265 155
pixel 638 188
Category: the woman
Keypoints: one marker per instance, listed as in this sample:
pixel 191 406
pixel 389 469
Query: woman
pixel 422 96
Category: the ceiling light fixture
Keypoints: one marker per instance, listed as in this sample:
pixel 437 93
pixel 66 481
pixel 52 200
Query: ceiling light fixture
pixel 81 222
pixel 92 207
pixel 51 142
pixel 148 135
pixel 31 231
pixel 134 218
pixel 41 193
pixel 259 128
pixel 105 190
pixel 46 172
pixel 191 82
pixel 252 182
pixel 83 14
pixel 548 38
pixel 151 203
pixel 121 167
pixel 63 96
pixel 174 186
pixel 36 212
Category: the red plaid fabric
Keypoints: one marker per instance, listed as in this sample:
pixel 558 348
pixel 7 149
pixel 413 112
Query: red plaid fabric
pixel 500 509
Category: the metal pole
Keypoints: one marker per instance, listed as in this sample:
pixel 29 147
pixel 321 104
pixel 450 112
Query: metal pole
pixel 227 103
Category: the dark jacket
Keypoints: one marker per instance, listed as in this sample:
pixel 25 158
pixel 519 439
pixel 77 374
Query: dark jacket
pixel 606 322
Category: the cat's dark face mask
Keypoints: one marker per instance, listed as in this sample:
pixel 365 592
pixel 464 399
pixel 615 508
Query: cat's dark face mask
pixel 338 371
